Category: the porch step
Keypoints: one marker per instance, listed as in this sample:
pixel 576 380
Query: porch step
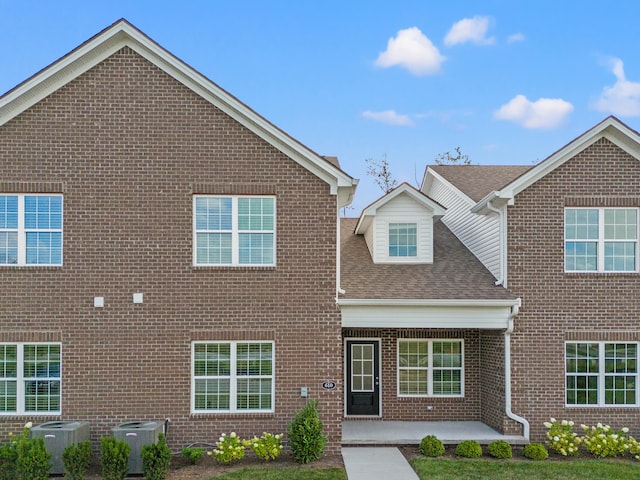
pixel 379 432
pixel 376 463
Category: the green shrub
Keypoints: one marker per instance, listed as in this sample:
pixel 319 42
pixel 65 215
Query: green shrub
pixel 561 437
pixel 500 449
pixel 536 451
pixel 267 447
pixel 305 434
pixel 8 461
pixel 430 446
pixel 33 459
pixel 192 454
pixel 229 448
pixel 469 449
pixel 156 459
pixel 602 441
pixel 115 458
pixel 77 460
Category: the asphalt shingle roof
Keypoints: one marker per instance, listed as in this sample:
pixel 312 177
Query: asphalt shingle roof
pixel 477 181
pixel 454 274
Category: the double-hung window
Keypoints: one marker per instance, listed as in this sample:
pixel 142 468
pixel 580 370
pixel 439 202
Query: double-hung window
pixel 403 240
pixel 234 230
pixel 233 377
pixel 601 374
pixel 430 368
pixel 601 239
pixel 30 378
pixel 30 229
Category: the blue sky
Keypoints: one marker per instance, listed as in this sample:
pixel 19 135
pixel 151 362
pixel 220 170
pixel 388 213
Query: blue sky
pixel 508 81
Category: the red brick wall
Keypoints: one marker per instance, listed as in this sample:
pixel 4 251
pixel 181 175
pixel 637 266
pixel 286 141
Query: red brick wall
pixel 415 409
pixel 129 146
pixel 560 306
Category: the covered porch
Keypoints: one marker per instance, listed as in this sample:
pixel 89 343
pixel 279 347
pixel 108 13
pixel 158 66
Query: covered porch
pixel 380 432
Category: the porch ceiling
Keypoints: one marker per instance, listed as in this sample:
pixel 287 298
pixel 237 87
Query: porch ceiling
pixel 376 432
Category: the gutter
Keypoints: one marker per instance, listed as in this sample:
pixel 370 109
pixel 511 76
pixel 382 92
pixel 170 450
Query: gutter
pixel 507 374
pixel 501 242
pixel 436 302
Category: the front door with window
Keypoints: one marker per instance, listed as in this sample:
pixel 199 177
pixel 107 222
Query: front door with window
pixel 363 382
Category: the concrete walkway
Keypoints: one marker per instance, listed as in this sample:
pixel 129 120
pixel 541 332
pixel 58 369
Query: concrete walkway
pixel 376 463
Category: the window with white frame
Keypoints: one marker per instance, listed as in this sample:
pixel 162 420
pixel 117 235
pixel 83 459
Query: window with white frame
pixel 430 368
pixel 30 229
pixel 403 240
pixel 30 378
pixel 601 239
pixel 601 374
pixel 234 230
pixel 233 377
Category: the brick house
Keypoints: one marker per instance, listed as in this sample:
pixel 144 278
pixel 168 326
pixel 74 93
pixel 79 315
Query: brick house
pixel 167 253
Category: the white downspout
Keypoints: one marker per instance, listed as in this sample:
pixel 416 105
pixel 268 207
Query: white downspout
pixel 501 243
pixel 339 290
pixel 507 373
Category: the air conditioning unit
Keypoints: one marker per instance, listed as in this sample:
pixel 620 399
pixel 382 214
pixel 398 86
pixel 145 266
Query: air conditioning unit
pixel 58 436
pixel 138 434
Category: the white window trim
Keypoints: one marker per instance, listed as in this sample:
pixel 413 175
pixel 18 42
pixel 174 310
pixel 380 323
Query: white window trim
pixel 235 232
pixel 386 258
pixel 430 368
pixel 22 231
pixel 20 379
pixel 601 240
pixel 601 376
pixel 233 377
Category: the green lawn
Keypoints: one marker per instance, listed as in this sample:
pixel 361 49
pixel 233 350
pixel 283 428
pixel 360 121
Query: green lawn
pixel 437 469
pixel 288 473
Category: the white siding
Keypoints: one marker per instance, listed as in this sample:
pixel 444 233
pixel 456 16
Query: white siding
pixel 395 316
pixel 368 237
pixel 479 233
pixel 402 209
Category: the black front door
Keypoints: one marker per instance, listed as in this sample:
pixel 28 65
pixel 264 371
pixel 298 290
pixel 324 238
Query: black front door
pixel 363 383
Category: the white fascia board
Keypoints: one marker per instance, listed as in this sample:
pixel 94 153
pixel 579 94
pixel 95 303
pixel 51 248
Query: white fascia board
pixel 427 302
pixel 485 317
pixel 610 128
pixel 439 177
pixel 123 34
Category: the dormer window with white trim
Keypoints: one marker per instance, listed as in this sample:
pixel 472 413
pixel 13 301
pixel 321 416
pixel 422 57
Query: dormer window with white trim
pixel 403 240
pixel 398 228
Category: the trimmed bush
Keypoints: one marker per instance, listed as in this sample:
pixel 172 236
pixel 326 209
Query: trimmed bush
pixel 500 449
pixel 305 434
pixel 430 446
pixel 77 460
pixel 267 447
pixel 115 458
pixel 156 459
pixel 469 449
pixel 192 454
pixel 536 451
pixel 8 461
pixel 33 459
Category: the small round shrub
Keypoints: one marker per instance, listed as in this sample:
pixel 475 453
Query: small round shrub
pixel 536 451
pixel 430 446
pixel 192 454
pixel 469 449
pixel 499 449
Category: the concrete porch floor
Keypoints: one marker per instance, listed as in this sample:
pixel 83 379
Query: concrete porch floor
pixel 378 432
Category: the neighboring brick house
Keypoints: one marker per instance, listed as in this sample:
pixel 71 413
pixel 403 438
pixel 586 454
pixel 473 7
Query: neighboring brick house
pixel 165 252
pixel 563 237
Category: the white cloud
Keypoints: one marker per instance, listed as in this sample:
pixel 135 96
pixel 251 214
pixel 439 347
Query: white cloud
pixel 544 113
pixel 516 37
pixel 623 97
pixel 390 117
pixel 472 30
pixel 411 49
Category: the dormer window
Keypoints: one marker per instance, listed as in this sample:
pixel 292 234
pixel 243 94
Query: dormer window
pixel 403 240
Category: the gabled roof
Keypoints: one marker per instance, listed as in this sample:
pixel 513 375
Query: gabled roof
pixel 369 212
pixel 123 34
pixel 455 273
pixel 475 181
pixel 610 128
